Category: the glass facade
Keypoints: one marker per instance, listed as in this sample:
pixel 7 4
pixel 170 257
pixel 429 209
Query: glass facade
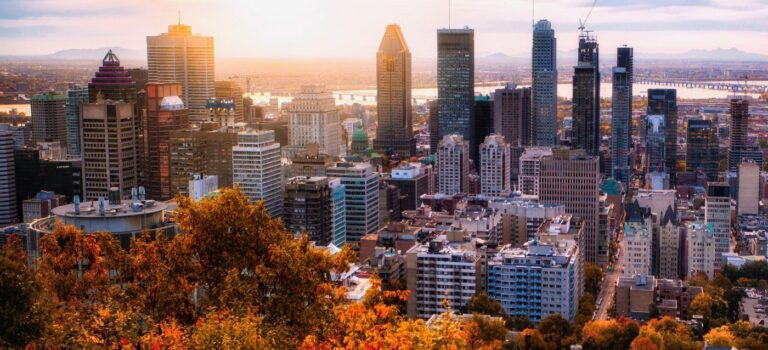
pixel 544 89
pixel 455 81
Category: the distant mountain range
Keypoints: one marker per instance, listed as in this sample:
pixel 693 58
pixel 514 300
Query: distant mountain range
pixel 86 55
pixel 732 55
pixel 89 54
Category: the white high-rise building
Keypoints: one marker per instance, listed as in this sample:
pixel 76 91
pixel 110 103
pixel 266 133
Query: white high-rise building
pixel 717 214
pixel 495 159
pixel 180 57
pixel 749 188
pixel 636 247
pixel 530 167
pixel 537 281
pixel 257 170
pixel 452 165
pixel 446 269
pixel 361 196
pixel 8 213
pixel 700 243
pixel 314 118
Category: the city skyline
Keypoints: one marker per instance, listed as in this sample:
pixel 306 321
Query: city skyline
pixel 285 29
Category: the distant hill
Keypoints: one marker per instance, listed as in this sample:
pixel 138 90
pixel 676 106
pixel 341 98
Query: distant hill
pixel 90 54
pixel 732 54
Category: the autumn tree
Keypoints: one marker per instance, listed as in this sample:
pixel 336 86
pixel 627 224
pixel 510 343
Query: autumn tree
pixel 24 313
pixel 557 330
pixel 719 337
pixel 248 260
pixel 609 334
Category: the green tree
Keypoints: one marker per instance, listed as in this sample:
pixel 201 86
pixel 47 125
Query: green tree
pixel 484 304
pixel 593 278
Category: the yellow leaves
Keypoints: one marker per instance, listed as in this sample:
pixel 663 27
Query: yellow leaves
pixel 720 337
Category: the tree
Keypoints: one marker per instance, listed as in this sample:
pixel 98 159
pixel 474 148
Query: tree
pixel 586 308
pixel 557 330
pixel 227 331
pixel 248 260
pixel 609 334
pixel 593 277
pixel 518 323
pixel 643 343
pixel 484 304
pixel 531 339
pixel 24 313
pixel 719 337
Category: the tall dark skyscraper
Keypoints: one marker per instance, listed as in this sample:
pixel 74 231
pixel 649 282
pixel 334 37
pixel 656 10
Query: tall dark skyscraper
pixel 703 147
pixel 586 96
pixel 621 115
pixel 664 102
pixel 112 81
pixel 740 149
pixel 512 115
pixel 455 81
pixel 544 89
pixel 393 81
pixel 482 125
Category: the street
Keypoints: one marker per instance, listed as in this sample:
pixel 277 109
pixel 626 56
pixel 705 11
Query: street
pixel 608 289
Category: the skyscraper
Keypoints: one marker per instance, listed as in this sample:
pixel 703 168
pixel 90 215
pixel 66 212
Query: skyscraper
pixel 452 159
pixel 393 99
pixel 256 169
pixel 75 96
pixel 664 102
pixel 655 143
pixel 703 148
pixel 571 178
pixel 109 148
pixel 544 90
pixel 8 212
pixel 49 118
pixel 455 81
pixel 112 82
pixel 166 113
pixel 512 115
pixel 740 149
pixel 482 126
pixel 361 186
pixel 314 118
pixel 586 96
pixel 496 159
pixel 625 58
pixel 717 215
pixel 180 57
pixel 621 119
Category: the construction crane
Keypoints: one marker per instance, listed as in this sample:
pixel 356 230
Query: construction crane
pixel 583 24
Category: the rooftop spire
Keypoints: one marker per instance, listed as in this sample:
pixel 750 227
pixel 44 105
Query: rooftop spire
pixel 110 59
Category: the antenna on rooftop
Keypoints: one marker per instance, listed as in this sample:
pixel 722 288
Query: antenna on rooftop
pixel 449 14
pixel 179 17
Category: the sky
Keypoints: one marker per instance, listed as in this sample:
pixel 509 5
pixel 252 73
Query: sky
pixel 352 29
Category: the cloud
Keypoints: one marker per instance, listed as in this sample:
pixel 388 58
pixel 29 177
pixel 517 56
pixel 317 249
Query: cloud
pixel 15 9
pixel 25 31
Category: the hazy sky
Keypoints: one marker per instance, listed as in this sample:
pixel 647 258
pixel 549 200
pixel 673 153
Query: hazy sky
pixel 353 28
